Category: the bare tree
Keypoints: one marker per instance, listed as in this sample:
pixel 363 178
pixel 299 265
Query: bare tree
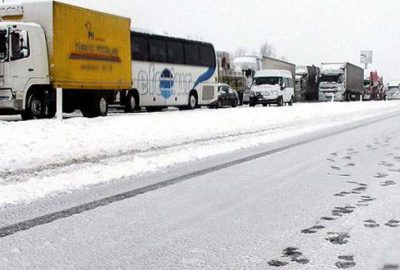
pixel 268 49
pixel 240 51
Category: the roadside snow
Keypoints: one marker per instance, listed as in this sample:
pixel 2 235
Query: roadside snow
pixel 39 158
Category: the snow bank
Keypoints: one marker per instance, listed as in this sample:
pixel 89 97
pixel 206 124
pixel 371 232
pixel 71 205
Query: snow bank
pixel 37 143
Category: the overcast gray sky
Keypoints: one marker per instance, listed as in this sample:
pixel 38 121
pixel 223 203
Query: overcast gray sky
pixel 304 31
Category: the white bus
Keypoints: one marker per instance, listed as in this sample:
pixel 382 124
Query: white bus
pixel 172 72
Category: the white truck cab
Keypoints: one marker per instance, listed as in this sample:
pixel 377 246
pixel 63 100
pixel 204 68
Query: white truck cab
pixel 23 64
pixel 272 87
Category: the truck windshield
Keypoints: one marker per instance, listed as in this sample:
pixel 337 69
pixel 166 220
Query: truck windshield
pixel 267 80
pixel 331 78
pixel 393 88
pixel 3 45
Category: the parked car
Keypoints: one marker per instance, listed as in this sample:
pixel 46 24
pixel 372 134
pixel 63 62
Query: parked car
pixel 272 87
pixel 393 91
pixel 227 96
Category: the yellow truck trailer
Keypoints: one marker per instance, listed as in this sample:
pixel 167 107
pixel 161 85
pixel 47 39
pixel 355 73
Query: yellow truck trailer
pixel 49 45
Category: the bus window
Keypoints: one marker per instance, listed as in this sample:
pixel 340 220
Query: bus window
pixel 175 52
pixel 192 56
pixel 207 56
pixel 140 48
pixel 158 50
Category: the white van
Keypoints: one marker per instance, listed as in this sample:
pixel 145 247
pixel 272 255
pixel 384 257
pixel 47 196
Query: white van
pixel 272 87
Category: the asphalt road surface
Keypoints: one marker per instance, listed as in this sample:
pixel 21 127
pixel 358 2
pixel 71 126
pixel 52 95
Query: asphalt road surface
pixel 323 201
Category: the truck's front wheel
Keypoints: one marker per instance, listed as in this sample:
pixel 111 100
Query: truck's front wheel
pixel 34 108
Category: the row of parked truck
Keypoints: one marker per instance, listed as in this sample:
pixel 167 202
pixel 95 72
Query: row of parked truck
pixel 331 81
pixel 56 57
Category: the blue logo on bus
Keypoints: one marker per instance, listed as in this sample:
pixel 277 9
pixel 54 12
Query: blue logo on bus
pixel 166 83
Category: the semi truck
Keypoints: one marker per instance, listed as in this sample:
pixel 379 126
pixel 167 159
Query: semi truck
pixel 373 87
pixel 306 84
pixel 49 45
pixel 340 82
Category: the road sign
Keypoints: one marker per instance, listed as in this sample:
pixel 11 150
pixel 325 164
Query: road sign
pixel 366 57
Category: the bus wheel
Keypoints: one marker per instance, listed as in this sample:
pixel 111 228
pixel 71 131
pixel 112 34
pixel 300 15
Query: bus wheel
pixel 132 103
pixel 34 109
pixel 192 101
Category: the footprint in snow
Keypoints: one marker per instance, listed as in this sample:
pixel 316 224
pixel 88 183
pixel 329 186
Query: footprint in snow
pixel 386 164
pixel 388 183
pixel 370 223
pixel 338 238
pixel 277 263
pixel 342 194
pixel 345 262
pixel 359 190
pixel 364 201
pixel 341 211
pixel 335 168
pixel 313 229
pixel 295 255
pixel 391 267
pixel 327 218
pixel 381 175
pixel 393 223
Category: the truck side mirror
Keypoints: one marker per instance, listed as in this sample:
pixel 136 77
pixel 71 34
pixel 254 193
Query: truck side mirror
pixel 283 86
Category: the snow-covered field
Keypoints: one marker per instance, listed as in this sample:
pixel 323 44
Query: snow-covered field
pixel 39 158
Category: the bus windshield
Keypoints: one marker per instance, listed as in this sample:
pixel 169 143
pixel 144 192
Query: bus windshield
pixel 3 45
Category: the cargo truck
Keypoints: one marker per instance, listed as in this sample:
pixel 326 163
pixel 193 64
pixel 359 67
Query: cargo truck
pixel 49 45
pixel 373 87
pixel 276 64
pixel 306 84
pixel 340 82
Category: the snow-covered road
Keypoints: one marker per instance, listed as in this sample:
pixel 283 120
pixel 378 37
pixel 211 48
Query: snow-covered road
pixel 331 203
pixel 45 158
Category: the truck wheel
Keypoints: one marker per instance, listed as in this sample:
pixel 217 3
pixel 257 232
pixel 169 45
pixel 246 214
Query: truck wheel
pixel 101 106
pixel 98 107
pixel 252 104
pixel 280 102
pixel 34 109
pixel 291 102
pixel 192 101
pixel 347 96
pixel 235 103
pixel 132 103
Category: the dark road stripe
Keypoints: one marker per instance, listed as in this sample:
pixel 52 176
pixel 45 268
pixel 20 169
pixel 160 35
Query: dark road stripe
pixel 45 219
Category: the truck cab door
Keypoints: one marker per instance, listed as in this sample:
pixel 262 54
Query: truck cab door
pixel 20 60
